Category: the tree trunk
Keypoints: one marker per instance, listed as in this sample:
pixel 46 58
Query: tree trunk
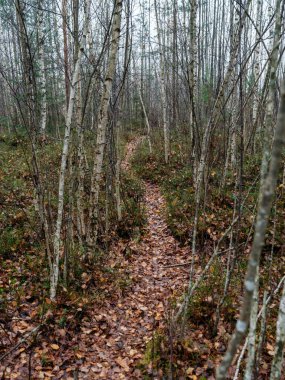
pixel 54 275
pixel 162 87
pixel 276 369
pixel 265 203
pixel 102 126
pixel 42 79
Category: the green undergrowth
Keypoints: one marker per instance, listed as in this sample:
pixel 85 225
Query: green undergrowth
pixel 133 218
pixel 217 203
pixel 24 268
pixel 132 191
pixel 215 216
pixel 166 358
pixel 23 260
pixel 216 208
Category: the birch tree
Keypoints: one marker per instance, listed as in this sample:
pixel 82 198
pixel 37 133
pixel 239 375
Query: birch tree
pixel 256 68
pixel 42 76
pixel 272 68
pixel 205 144
pixel 276 368
pixel 193 74
pixel 162 79
pixel 265 202
pixel 268 122
pixel 54 270
pixel 102 126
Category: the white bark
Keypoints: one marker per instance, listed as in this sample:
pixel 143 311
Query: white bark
pixel 118 193
pixel 162 86
pixel 265 204
pixel 276 368
pixel 252 331
pixel 146 121
pixel 57 238
pixel 205 144
pixel 268 120
pixel 262 314
pixel 256 68
pixel 42 80
pixel 118 172
pixel 54 275
pixel 273 62
pixel 139 87
pixel 102 126
pixel 80 162
pixel 193 70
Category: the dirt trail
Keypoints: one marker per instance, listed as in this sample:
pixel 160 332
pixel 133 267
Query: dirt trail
pixel 125 327
pixel 130 150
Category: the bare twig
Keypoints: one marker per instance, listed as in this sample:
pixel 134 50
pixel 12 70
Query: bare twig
pixel 23 340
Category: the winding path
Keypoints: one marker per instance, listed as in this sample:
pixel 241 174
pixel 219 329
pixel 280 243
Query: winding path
pixel 125 327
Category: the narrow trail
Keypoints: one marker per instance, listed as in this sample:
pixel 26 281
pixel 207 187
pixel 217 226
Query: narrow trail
pixel 123 329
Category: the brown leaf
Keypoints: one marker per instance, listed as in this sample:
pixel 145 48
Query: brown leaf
pixel 55 346
pixel 123 364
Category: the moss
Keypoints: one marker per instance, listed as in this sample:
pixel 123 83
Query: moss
pixel 155 357
pixel 9 241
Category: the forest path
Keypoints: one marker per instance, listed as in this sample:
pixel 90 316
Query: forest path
pixel 123 328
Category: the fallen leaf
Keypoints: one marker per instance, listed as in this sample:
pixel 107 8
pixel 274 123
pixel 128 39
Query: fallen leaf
pixel 190 370
pixel 55 346
pixel 123 364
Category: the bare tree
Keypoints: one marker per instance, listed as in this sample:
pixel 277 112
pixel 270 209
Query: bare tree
pixel 265 202
pixel 102 126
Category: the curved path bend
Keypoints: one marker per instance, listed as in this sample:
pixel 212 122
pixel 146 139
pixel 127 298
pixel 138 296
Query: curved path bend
pixel 128 325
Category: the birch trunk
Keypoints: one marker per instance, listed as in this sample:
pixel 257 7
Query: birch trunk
pixel 252 331
pixel 265 204
pixel 42 80
pixel 54 275
pixel 268 123
pixel 276 368
pixel 140 92
pixel 118 175
pixel 262 332
pixel 273 63
pixel 102 126
pixel 65 52
pixel 206 139
pixel 162 87
pixel 79 194
pixel 28 79
pixel 57 238
pixel 146 121
pixel 193 74
pixel 256 68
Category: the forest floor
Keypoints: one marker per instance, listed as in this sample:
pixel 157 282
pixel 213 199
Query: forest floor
pixel 126 325
pixel 112 341
pixel 113 318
